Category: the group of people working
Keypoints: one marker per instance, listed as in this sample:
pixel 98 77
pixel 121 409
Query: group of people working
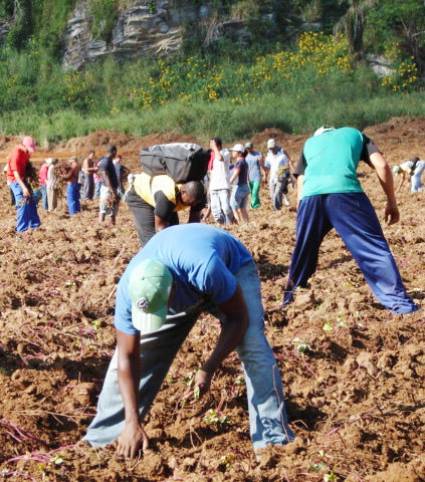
pixel 103 179
pixel 185 270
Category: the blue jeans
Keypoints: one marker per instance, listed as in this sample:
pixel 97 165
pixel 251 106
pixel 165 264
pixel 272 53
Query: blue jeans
pixel 220 206
pixel 97 186
pixel 266 406
pixel 73 198
pixel 44 203
pixel 354 219
pixel 26 210
pixel 239 197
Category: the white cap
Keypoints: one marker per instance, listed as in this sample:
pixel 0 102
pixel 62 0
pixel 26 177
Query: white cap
pixel 238 148
pixel 271 143
pixel 322 130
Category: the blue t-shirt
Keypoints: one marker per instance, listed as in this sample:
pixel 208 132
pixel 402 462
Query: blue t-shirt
pixel 106 164
pixel 243 172
pixel 253 161
pixel 203 261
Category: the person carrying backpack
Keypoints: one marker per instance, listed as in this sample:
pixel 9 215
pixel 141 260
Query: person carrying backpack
pixel 156 200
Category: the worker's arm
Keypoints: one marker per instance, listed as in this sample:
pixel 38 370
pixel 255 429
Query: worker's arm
pixel 232 333
pixel 19 180
pixel 300 182
pixel 133 437
pixel 160 223
pixel 235 174
pixel 386 180
pixel 291 164
pixel 403 178
pixel 217 154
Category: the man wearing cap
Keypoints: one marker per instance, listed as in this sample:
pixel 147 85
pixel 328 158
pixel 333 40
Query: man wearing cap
pixel 277 165
pixel 254 159
pixel 182 271
pixel 330 196
pixel 155 202
pixel 18 166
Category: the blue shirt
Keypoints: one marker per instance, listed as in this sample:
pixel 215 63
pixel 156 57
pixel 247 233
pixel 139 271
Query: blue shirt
pixel 253 161
pixel 203 261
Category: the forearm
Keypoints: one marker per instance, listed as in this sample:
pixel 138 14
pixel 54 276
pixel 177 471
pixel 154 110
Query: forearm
pixel 19 179
pixel 129 378
pixel 300 182
pixel 231 336
pixel 160 224
pixel 387 182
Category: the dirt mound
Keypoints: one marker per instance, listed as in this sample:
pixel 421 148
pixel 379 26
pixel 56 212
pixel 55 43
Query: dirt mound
pixel 353 373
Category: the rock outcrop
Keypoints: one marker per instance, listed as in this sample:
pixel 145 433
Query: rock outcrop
pixel 141 31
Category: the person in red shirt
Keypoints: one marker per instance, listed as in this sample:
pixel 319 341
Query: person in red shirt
pixel 42 179
pixel 18 166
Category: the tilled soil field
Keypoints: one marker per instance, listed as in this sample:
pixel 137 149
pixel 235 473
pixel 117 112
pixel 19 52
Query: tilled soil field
pixel 354 374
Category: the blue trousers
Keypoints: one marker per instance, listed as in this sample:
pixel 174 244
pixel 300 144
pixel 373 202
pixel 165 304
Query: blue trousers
pixel 44 202
pixel 355 220
pixel 73 198
pixel 266 405
pixel 26 210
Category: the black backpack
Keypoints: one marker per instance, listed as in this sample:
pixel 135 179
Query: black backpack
pixel 183 162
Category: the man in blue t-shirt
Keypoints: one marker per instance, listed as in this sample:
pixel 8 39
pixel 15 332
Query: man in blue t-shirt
pixel 182 271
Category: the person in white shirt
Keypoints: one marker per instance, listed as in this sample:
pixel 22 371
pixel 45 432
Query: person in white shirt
pixel 219 184
pixel 52 184
pixel 413 169
pixel 277 165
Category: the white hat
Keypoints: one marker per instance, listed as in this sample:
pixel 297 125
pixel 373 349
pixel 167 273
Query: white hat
pixel 271 143
pixel 238 148
pixel 322 130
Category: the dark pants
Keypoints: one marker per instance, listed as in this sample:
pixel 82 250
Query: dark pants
pixel 355 220
pixel 144 216
pixel 88 187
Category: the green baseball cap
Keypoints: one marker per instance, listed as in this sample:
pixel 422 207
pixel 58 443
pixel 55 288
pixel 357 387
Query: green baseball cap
pixel 150 287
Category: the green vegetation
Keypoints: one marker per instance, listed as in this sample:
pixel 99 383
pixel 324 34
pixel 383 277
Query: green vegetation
pixel 319 78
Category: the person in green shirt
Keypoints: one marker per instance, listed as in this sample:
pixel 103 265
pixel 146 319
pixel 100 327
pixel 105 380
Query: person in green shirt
pixel 331 196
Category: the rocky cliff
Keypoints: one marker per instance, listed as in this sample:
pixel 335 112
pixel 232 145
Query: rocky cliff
pixel 144 29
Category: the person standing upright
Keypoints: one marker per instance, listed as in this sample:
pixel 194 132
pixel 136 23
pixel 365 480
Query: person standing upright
pixel 254 160
pixel 18 166
pixel 277 166
pixel 52 184
pixel 89 169
pixel 73 186
pixel 219 184
pixel 42 179
pixel 109 197
pixel 330 196
pixel 240 190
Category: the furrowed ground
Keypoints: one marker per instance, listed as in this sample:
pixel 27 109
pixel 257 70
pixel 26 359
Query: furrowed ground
pixel 354 373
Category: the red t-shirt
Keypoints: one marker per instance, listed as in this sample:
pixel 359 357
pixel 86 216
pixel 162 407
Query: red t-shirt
pixel 18 161
pixel 42 175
